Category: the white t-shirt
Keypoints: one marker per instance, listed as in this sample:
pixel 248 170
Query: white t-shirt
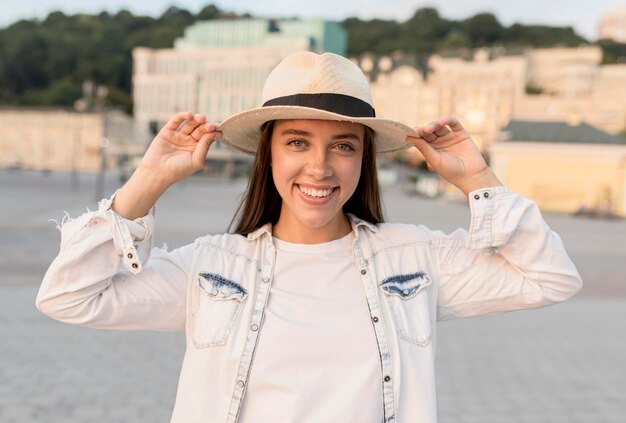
pixel 316 360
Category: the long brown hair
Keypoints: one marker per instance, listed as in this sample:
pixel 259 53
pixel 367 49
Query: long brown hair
pixel 261 202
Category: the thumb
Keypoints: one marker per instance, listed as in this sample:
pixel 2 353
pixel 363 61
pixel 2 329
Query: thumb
pixel 202 148
pixel 431 155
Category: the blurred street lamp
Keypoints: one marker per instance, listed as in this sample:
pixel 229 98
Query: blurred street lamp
pixel 103 145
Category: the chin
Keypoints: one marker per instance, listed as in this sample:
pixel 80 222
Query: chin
pixel 315 222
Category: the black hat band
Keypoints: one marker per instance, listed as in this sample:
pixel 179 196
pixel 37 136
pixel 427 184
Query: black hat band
pixel 335 103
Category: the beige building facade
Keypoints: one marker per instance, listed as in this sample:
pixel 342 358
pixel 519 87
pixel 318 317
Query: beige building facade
pixel 613 25
pixel 586 173
pixel 481 93
pixel 216 82
pixel 218 68
pixel 62 140
pixel 564 178
pixel 485 93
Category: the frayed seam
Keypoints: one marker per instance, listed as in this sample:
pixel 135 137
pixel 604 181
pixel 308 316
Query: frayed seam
pixel 66 219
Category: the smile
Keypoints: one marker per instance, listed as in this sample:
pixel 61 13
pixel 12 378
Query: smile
pixel 315 193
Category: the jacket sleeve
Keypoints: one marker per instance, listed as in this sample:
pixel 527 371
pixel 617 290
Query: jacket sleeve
pixel 108 276
pixel 509 259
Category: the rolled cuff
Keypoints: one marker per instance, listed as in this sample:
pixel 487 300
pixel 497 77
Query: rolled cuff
pixel 133 239
pixel 489 207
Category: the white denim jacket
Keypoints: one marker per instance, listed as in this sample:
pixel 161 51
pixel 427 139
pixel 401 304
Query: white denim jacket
pixel 216 290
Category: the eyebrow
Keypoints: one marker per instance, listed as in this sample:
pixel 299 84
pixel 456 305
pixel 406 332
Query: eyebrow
pixel 349 135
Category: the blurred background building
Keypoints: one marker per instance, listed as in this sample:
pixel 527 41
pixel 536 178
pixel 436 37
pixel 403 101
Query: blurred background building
pixel 563 166
pixel 531 111
pixel 547 118
pixel 219 67
pixel 492 87
pixel 613 25
pixel 65 140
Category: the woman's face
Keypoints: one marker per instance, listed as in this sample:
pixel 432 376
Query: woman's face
pixel 316 166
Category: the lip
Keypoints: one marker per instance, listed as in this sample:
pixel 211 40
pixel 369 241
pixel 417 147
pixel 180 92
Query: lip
pixel 316 201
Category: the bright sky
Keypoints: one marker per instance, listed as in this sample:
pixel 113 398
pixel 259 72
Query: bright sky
pixel 583 15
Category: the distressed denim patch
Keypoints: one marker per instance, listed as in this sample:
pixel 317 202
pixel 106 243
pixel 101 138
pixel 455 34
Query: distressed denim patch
pixel 405 286
pixel 220 288
pixel 216 305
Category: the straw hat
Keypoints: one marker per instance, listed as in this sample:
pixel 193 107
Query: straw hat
pixel 307 85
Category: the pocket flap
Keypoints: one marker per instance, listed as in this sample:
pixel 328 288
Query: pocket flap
pixel 220 288
pixel 405 286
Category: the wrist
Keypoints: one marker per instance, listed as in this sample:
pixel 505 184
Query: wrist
pixel 484 179
pixel 151 179
pixel 139 194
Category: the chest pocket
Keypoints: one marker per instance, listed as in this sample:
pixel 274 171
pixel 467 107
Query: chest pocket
pixel 408 300
pixel 218 302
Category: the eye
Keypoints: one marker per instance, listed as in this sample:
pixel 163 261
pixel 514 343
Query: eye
pixel 345 147
pixel 296 143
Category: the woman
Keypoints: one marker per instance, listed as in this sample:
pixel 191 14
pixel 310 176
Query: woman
pixel 335 308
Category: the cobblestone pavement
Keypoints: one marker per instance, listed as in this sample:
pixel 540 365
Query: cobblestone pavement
pixel 561 364
pixel 566 363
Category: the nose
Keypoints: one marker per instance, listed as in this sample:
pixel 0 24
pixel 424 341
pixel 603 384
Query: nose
pixel 319 165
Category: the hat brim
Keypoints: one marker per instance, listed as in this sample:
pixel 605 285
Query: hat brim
pixel 242 130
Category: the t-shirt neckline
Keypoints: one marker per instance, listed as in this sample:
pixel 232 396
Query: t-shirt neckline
pixel 337 245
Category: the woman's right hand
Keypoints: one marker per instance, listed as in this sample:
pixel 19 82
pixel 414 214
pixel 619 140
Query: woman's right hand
pixel 180 148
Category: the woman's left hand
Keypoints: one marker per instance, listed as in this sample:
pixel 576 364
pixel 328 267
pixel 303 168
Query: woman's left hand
pixel 450 151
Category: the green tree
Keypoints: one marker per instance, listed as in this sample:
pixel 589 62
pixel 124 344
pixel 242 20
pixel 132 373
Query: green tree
pixel 483 29
pixel 613 52
pixel 541 36
pixel 372 36
pixel 46 62
pixel 424 31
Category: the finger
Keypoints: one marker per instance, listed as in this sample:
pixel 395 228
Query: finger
pixel 430 154
pixel 426 133
pixel 439 127
pixel 202 130
pixel 191 124
pixel 441 132
pixel 177 120
pixel 454 124
pixel 198 155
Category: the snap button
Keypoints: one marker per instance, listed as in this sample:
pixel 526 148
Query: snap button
pixel 486 195
pixel 254 327
pixel 387 378
pixel 135 265
pixel 476 197
pixel 130 255
pixel 214 292
pixel 266 280
pixel 363 272
pixel 405 292
pixel 375 319
pixel 241 384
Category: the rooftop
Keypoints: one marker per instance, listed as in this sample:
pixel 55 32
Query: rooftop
pixel 563 132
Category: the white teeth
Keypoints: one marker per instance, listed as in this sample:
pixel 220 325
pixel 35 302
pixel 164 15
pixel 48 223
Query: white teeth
pixel 312 192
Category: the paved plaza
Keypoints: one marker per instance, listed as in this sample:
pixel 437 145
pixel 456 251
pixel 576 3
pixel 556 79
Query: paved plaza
pixel 566 363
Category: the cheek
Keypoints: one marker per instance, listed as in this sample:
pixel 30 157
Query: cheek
pixel 283 169
pixel 351 173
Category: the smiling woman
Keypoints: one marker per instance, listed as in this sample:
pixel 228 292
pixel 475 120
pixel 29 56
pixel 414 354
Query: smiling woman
pixel 313 309
pixel 316 168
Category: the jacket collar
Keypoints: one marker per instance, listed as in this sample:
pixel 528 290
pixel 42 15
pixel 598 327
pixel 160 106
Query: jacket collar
pixel 265 229
pixel 354 221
